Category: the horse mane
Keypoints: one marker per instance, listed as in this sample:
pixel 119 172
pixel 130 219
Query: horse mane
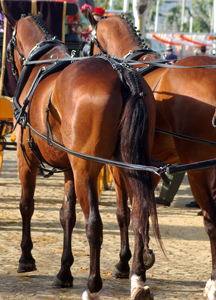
pixel 134 33
pixel 41 26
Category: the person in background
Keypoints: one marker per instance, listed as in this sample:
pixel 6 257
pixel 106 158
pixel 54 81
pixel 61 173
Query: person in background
pixel 170 55
pixel 203 50
pixel 89 2
pixel 168 191
pixel 86 33
pixel 76 23
pixel 84 9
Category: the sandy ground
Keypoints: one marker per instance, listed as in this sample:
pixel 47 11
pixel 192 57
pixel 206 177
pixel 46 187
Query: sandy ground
pixel 182 276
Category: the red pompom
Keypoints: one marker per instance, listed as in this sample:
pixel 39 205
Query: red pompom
pixel 99 11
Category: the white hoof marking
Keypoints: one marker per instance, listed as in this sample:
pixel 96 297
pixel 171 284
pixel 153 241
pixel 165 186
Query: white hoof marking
pixel 90 296
pixel 210 290
pixel 137 284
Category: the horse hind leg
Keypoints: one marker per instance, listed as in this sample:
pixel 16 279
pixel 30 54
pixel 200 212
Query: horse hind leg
pixel 138 289
pixel 88 199
pixel 205 194
pixel 68 220
pixel 122 268
pixel 28 182
pixel 142 193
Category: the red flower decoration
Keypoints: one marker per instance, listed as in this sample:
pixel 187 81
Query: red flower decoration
pixel 99 11
pixel 84 7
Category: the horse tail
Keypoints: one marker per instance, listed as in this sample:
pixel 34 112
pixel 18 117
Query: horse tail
pixel 134 149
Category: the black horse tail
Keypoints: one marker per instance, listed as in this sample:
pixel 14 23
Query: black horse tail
pixel 134 149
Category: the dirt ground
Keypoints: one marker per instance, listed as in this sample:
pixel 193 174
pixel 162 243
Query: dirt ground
pixel 183 276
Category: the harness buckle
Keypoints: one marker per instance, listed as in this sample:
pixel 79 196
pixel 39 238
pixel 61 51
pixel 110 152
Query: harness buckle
pixel 147 57
pixel 22 121
pixel 54 57
pixel 73 53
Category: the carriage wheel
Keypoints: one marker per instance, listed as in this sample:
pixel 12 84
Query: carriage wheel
pixel 100 182
pixel 107 178
pixel 2 132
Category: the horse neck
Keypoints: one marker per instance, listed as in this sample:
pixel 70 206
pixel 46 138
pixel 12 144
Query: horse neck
pixel 116 40
pixel 28 35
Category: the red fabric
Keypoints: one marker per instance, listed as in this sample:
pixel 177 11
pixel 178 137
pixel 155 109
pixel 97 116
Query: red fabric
pixel 210 37
pixel 67 1
pixel 86 36
pixel 191 41
pixel 70 19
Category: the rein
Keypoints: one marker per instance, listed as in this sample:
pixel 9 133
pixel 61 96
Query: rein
pixel 186 137
pixel 98 159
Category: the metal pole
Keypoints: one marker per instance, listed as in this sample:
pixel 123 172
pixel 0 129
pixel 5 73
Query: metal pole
pixel 126 6
pixel 214 28
pixel 156 15
pixel 182 17
pixel 111 5
pixel 136 14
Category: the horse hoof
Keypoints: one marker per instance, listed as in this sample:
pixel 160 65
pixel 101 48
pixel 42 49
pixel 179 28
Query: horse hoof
pixel 90 296
pixel 148 259
pixel 142 294
pixel 26 267
pixel 210 290
pixel 118 274
pixel 60 284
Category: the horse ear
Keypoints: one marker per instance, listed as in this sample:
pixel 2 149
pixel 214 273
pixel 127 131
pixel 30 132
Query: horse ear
pixel 40 15
pixel 90 17
pixel 10 20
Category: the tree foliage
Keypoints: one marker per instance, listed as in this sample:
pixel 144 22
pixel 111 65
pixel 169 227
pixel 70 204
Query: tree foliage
pixel 200 10
pixel 174 16
pixel 117 4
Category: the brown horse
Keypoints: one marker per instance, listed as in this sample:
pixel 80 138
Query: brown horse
pixel 85 107
pixel 185 104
